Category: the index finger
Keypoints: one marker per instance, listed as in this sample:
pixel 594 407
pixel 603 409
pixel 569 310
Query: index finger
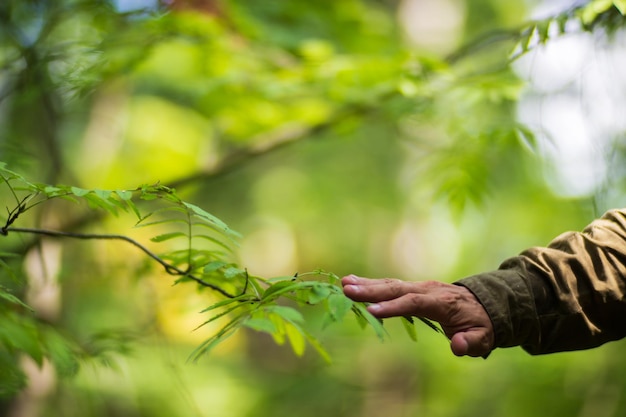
pixel 356 280
pixel 369 290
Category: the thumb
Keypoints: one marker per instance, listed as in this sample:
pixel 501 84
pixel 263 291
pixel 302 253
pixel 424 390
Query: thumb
pixel 471 342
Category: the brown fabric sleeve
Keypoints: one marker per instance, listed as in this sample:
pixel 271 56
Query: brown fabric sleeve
pixel 567 296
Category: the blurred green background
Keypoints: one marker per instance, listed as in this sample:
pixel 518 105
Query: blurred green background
pixel 385 138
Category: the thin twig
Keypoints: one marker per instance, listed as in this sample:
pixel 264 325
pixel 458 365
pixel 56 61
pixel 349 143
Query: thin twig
pixel 170 269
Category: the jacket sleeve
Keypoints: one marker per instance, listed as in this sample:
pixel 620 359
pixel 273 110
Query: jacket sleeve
pixel 569 295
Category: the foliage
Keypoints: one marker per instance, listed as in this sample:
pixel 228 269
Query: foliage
pixel 95 96
pixel 248 301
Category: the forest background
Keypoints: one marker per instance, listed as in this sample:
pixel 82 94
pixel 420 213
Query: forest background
pixel 417 139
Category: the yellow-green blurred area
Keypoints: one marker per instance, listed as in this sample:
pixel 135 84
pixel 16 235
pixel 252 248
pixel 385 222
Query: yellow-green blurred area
pixel 384 138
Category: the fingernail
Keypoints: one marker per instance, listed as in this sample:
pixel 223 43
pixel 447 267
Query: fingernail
pixel 372 308
pixel 352 288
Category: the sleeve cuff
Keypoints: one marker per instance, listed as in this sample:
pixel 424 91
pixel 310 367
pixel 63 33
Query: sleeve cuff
pixel 508 299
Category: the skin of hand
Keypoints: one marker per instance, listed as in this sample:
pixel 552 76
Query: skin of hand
pixel 462 318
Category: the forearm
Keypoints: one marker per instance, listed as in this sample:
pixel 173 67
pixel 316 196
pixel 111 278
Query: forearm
pixel 567 296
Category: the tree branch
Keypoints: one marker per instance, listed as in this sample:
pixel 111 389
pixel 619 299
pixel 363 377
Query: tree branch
pixel 170 269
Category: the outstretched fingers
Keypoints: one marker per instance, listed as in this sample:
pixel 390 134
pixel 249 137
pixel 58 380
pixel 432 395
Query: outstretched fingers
pixel 411 304
pixel 456 309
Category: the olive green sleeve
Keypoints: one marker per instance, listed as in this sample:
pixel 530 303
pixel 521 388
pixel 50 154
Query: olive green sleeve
pixel 569 295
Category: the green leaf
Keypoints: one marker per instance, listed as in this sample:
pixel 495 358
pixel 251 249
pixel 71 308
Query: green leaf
pixel 167 236
pixel 286 313
pixel 296 338
pixel 376 324
pixel 220 315
pixel 141 223
pixel 13 299
pixel 317 346
pixel 279 288
pixel 232 272
pixel 590 12
pixel 52 191
pixel 409 326
pixel 205 215
pixel 79 192
pixel 226 302
pixel 134 209
pixel 620 5
pixel 543 30
pixel 225 332
pixel 279 323
pixel 11 375
pixel 214 240
pixel 260 324
pixel 61 353
pixel 338 306
pixel 124 194
pixel 22 335
pixel 431 324
pixel 213 266
pixel 103 194
pixel 96 201
pixel 9 270
pixel 318 293
pixel 526 38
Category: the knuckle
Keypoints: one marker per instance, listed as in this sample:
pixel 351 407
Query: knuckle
pixel 394 286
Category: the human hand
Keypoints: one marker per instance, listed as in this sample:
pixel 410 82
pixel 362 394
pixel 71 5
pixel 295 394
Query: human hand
pixel 462 318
